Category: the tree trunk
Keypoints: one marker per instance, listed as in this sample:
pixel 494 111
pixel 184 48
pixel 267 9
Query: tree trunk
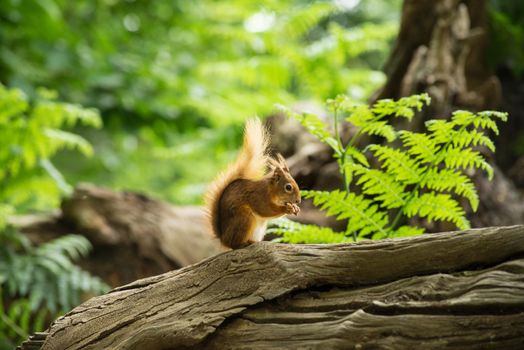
pixel 440 49
pixel 458 290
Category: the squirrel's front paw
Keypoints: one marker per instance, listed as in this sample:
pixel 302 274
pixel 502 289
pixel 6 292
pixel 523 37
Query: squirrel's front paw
pixel 292 208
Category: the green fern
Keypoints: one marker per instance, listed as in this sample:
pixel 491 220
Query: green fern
pixel 363 216
pixel 388 192
pixel 40 282
pixel 451 180
pixel 398 163
pixel 294 232
pixel 422 176
pixel 435 206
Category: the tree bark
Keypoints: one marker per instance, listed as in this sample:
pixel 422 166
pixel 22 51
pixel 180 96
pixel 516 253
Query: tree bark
pixel 458 290
pixel 440 49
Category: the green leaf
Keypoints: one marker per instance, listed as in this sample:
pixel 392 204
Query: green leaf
pixel 407 231
pixel 437 207
pixel 380 128
pixel 294 232
pixel 457 158
pixel 66 140
pixel 381 186
pixel 405 107
pixel 484 120
pixel 421 178
pixel 451 180
pixel 313 124
pixel 420 146
pixel 363 217
pixel 397 163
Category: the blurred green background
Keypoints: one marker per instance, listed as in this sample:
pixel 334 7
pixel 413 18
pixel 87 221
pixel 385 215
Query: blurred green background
pixel 154 95
pixel 174 80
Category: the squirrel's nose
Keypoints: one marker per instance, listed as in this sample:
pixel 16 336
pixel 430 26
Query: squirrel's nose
pixel 298 200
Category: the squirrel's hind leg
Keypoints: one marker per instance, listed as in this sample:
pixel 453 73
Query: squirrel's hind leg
pixel 238 230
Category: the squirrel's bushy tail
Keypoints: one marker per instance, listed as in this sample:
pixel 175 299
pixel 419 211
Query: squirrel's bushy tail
pixel 250 164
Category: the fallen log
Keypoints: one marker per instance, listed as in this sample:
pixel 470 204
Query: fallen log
pixel 457 290
pixel 139 235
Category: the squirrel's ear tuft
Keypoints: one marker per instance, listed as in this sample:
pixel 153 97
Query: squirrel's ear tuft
pixel 272 164
pixel 277 173
pixel 282 162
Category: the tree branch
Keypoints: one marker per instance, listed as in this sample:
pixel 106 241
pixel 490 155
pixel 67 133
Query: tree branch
pixel 458 289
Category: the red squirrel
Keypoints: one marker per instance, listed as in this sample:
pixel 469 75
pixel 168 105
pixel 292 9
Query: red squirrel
pixel 252 190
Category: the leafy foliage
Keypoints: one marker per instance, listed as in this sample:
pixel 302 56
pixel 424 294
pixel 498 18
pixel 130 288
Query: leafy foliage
pixel 420 175
pixel 31 135
pixel 294 232
pixel 181 74
pixel 36 283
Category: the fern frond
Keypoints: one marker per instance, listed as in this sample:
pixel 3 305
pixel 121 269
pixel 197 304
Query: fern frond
pixel 441 130
pixel 486 120
pixel 437 207
pixel 13 103
pixel 351 154
pixel 407 231
pixel 357 155
pixel 457 158
pixel 444 133
pixel 60 139
pixel 294 232
pixel 462 118
pixel 341 103
pixel 362 117
pixel 380 128
pixel 420 178
pixel 465 138
pixel 46 274
pixel 451 180
pixel 58 114
pixel 363 216
pixel 398 163
pixel 303 19
pixel 420 146
pixel 73 246
pixel 359 114
pixel 403 107
pixel 383 187
pixel 310 122
pixel 483 119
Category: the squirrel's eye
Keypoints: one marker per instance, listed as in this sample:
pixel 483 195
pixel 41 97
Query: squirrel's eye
pixel 288 187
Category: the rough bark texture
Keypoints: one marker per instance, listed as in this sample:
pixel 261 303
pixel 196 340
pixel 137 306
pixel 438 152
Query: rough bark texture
pixel 462 290
pixel 444 56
